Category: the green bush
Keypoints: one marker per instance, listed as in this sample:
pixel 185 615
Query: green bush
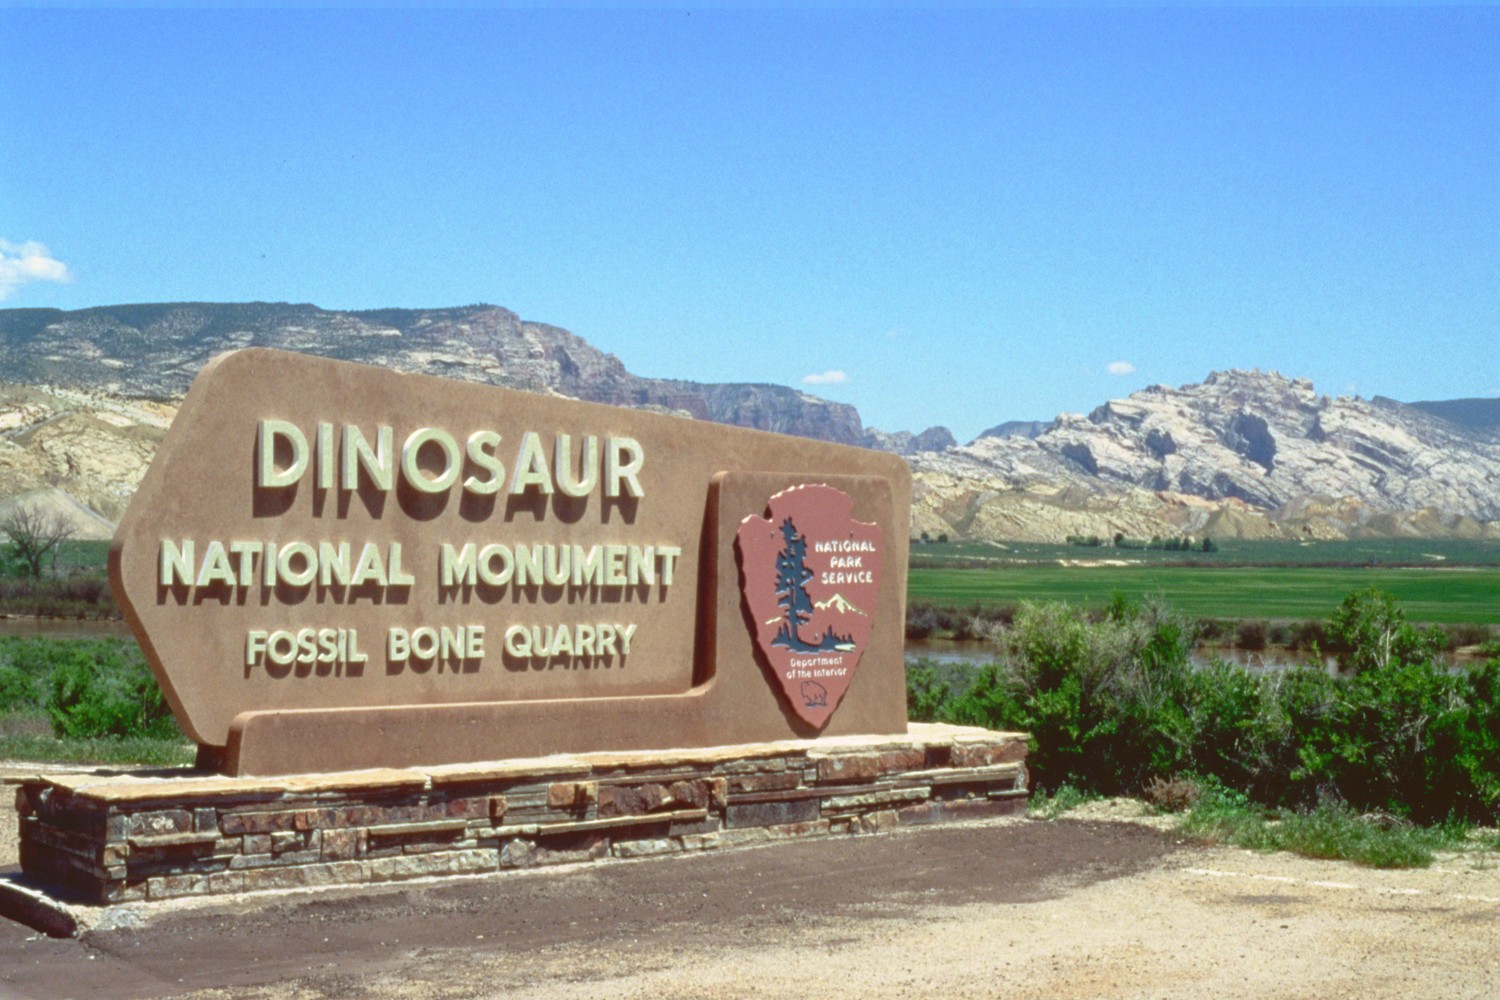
pixel 97 697
pixel 102 691
pixel 18 691
pixel 1088 692
pixel 926 692
pixel 1114 703
pixel 1370 631
pixel 1330 830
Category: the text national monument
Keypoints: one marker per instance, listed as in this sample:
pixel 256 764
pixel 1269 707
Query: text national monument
pixel 435 628
pixel 335 566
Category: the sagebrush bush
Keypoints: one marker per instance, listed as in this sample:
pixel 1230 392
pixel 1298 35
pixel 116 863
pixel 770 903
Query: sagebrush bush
pixel 1251 634
pixel 1172 794
pixel 1085 691
pixel 1466 634
pixel 977 621
pixel 1116 702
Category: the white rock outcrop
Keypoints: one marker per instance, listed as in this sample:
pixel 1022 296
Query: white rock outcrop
pixel 1268 454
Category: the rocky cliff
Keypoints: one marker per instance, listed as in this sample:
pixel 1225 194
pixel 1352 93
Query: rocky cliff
pixel 77 454
pixel 907 443
pixel 1242 453
pixel 153 351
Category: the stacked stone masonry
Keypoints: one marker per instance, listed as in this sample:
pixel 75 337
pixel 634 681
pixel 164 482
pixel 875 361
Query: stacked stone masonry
pixel 107 838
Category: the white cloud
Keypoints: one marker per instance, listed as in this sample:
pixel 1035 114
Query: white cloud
pixel 1120 368
pixel 23 263
pixel 831 377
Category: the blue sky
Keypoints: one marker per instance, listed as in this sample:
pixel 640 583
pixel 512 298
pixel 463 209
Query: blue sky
pixel 942 215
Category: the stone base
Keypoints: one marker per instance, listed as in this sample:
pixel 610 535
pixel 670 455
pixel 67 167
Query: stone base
pixel 106 838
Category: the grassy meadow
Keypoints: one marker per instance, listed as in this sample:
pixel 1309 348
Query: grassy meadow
pixel 1428 595
pixel 1439 581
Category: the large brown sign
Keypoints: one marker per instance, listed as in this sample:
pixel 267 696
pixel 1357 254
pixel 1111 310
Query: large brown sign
pixel 332 565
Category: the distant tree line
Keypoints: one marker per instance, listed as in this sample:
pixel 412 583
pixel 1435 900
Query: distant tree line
pixel 1121 540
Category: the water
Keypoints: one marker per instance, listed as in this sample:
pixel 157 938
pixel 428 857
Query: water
pixel 973 652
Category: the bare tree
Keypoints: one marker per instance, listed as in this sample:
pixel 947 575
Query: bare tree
pixel 34 534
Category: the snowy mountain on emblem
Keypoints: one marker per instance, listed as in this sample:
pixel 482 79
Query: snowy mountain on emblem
pixel 839 603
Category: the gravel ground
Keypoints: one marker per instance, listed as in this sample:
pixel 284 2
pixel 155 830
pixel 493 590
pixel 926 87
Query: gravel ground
pixel 1100 906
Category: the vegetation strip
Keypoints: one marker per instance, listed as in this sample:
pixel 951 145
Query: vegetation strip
pixel 1391 757
pixel 1431 595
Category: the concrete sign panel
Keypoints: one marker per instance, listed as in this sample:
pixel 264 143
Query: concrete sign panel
pixel 333 565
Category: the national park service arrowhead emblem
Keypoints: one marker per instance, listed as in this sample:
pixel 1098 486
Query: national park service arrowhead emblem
pixel 810 576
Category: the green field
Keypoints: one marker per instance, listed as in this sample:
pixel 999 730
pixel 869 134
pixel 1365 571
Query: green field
pixel 1427 595
pixel 76 554
pixel 1372 552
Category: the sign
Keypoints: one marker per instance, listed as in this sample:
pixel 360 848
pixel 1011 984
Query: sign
pixel 335 565
pixel 811 576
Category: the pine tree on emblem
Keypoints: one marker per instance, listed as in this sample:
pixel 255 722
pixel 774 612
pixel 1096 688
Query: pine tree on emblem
pixel 792 576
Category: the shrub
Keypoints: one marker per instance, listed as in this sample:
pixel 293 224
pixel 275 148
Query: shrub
pixel 1466 634
pixel 1172 794
pixel 100 690
pixel 1420 741
pixel 1093 695
pixel 1370 631
pixel 926 692
pixel 1214 631
pixel 1250 634
pixel 1114 704
pixel 75 596
pixel 1309 635
pixel 977 621
pixel 18 691
pixel 921 620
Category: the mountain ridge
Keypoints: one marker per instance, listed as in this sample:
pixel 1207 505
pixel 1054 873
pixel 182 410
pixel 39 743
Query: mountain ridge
pixel 1244 453
pixel 153 350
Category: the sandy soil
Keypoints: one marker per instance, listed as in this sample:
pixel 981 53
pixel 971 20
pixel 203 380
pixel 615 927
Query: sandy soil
pixel 1069 908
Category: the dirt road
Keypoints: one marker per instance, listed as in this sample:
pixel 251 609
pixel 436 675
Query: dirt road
pixel 1020 909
